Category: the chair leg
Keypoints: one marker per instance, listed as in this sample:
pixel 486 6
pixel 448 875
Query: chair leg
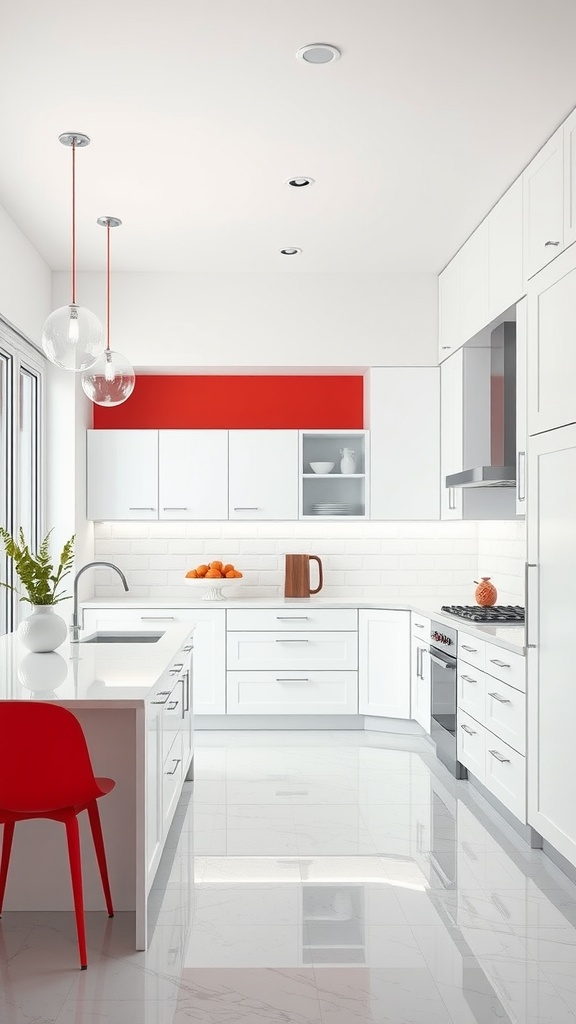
pixel 73 837
pixel 94 816
pixel 6 850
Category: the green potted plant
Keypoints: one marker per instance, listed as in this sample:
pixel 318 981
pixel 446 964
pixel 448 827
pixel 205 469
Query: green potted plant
pixel 43 630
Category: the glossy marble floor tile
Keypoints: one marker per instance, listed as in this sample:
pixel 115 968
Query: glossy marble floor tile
pixel 317 878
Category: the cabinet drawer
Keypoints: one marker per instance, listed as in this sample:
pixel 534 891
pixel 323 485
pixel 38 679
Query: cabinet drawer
pixel 507 666
pixel 471 745
pixel 283 619
pixel 471 691
pixel 471 650
pixel 506 775
pixel 421 627
pixel 280 692
pixel 325 651
pixel 506 713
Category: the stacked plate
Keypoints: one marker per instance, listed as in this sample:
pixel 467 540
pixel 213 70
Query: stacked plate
pixel 335 508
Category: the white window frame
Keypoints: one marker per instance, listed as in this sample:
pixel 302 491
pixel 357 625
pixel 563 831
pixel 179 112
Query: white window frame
pixel 21 355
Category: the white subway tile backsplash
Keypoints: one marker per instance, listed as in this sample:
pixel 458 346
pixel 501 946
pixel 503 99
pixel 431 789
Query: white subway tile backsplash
pixel 372 560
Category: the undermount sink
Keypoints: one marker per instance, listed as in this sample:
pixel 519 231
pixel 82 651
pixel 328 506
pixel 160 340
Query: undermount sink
pixel 115 637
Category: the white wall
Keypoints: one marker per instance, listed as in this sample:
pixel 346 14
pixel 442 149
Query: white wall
pixel 258 320
pixel 501 555
pixel 25 281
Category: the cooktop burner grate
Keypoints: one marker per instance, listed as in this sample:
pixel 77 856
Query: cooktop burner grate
pixel 475 613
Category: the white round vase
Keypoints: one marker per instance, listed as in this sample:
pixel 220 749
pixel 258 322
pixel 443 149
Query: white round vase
pixel 42 631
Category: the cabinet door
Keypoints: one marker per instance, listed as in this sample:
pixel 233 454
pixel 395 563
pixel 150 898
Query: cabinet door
pixel 521 405
pixel 193 474
pixel 551 694
pixel 570 179
pixel 263 474
pixel 451 437
pixel 153 776
pixel 384 663
pixel 505 255
pixel 405 449
pixel 122 474
pixel 544 205
pixel 551 365
pixel 474 256
pixel 420 684
pixel 450 308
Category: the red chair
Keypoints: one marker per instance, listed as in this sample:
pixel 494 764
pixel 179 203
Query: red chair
pixel 45 772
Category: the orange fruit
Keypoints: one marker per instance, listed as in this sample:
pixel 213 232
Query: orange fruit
pixel 202 570
pixel 192 574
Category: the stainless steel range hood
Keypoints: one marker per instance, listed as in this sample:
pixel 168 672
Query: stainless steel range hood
pixel 501 472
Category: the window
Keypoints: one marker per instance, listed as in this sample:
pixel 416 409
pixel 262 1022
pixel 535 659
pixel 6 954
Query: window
pixel 21 453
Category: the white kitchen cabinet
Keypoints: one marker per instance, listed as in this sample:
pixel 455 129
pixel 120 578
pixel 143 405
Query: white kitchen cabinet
pixel 333 651
pixel 551 362
pixel 384 663
pixel 474 256
pixel 543 186
pixel 521 404
pixel 208 683
pixel 420 687
pixel 505 251
pixel 570 179
pixel 551 694
pixel 289 691
pixel 450 335
pixel 122 474
pixel 403 413
pixel 451 433
pixel 346 494
pixel 263 474
pixel 193 474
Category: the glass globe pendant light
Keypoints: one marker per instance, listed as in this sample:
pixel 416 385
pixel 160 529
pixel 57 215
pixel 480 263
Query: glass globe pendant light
pixel 111 379
pixel 72 336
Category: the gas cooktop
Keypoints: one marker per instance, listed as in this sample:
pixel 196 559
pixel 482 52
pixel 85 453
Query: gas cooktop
pixel 475 613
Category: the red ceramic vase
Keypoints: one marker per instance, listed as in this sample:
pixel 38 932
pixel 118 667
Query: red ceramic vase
pixel 486 593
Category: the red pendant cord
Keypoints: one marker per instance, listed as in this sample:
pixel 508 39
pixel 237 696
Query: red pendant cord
pixel 108 286
pixel 73 223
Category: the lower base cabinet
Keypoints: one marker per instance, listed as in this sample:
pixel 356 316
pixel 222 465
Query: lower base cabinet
pixel 384 663
pixel 420 684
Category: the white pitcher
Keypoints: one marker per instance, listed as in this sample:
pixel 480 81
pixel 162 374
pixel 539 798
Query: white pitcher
pixel 347 461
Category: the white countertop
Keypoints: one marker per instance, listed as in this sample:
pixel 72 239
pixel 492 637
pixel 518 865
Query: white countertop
pixel 89 675
pixel 507 635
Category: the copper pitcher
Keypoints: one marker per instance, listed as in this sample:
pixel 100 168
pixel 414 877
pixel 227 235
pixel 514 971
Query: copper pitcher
pixel 297 576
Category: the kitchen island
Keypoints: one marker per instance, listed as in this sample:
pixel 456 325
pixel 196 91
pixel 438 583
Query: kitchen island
pixel 134 701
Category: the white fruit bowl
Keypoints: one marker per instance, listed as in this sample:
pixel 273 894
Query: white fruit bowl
pixel 212 589
pixel 321 467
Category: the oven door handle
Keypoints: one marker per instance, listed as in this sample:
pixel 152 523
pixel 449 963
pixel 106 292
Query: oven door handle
pixel 443 664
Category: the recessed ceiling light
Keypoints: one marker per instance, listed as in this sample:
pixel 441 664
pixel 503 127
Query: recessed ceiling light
pixel 290 250
pixel 300 181
pixel 318 53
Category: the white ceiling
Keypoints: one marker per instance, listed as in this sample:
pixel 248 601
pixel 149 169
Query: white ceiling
pixel 198 111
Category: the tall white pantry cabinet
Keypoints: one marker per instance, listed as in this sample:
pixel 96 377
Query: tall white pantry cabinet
pixel 551 568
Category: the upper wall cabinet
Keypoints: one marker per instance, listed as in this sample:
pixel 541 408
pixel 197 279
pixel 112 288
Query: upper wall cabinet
pixel 404 419
pixel 450 308
pixel 544 205
pixel 505 255
pixel 193 474
pixel 570 179
pixel 551 363
pixel 474 301
pixel 122 476
pixel 263 474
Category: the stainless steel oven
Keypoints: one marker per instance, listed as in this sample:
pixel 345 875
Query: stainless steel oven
pixel 442 651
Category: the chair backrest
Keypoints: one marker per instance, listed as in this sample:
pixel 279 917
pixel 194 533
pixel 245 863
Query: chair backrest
pixel 44 759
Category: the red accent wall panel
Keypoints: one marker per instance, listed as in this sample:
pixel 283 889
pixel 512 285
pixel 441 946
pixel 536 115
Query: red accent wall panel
pixel 238 402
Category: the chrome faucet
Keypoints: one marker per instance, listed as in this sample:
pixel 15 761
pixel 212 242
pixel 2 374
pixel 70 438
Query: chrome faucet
pixel 76 625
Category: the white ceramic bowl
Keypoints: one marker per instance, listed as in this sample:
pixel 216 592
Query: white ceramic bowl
pixel 211 590
pixel 321 467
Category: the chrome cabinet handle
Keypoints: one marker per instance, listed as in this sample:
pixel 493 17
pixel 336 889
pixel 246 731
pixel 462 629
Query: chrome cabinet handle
pixel 418 662
pixel 438 661
pixel 551 243
pixel 162 693
pixel 293 679
pixel 471 650
pixel 286 640
pixel 521 473
pixel 188 649
pixel 527 567
pixel 467 729
pixel 281 618
pixel 173 704
pixel 452 499
pixel 446 347
pixel 177 667
pixel 175 762
pixel 157 618
pixel 174 508
pixel 246 508
pixel 502 700
pixel 420 625
pixel 501 664
pixel 468 679
pixel 142 508
pixel 503 760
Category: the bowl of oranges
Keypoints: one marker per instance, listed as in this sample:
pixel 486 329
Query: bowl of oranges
pixel 213 578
